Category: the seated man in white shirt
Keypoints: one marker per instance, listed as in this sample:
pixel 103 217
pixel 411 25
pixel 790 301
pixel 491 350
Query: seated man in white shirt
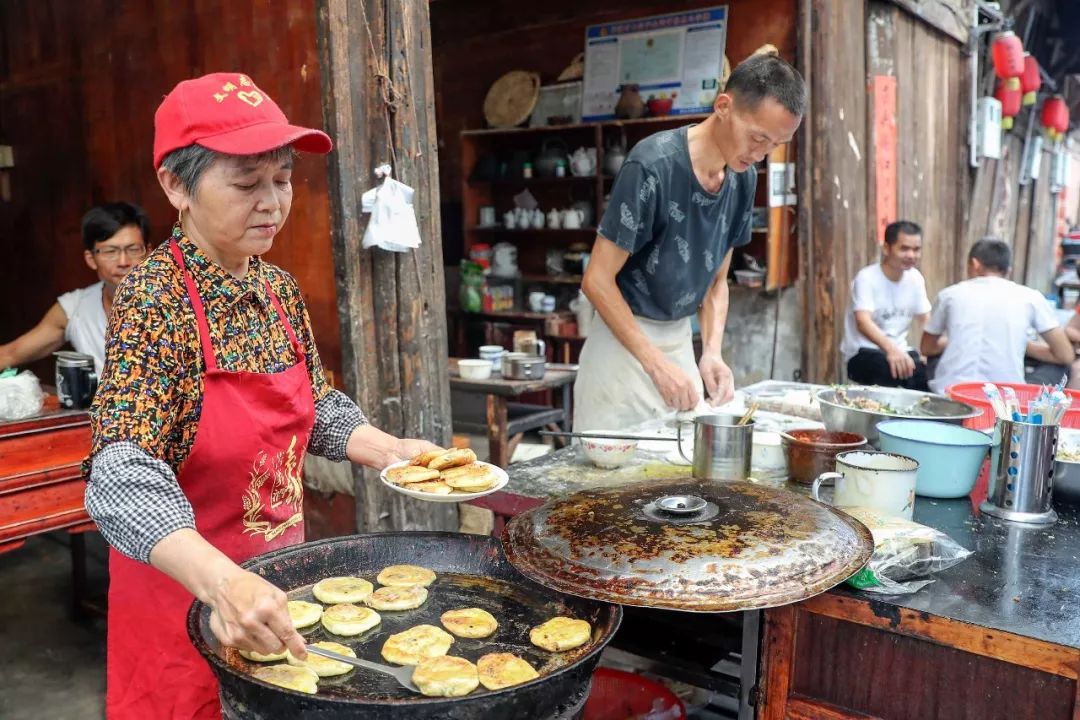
pixel 886 298
pixel 114 241
pixel 980 326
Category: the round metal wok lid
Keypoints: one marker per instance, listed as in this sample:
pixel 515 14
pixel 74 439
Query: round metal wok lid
pixel 688 544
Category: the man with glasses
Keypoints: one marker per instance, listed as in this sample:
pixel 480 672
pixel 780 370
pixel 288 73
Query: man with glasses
pixel 114 236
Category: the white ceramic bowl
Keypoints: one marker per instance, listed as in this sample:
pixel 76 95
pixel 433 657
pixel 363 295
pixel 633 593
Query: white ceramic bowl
pixel 608 453
pixel 475 369
pixel 768 453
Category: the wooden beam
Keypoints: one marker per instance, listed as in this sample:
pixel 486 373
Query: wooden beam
pixel 951 17
pixel 835 192
pixel 378 103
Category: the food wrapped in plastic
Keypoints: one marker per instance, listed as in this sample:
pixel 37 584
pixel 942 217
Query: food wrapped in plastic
pixel 20 395
pixel 905 553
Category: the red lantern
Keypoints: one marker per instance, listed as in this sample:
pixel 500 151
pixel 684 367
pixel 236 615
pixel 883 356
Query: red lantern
pixel 1010 99
pixel 1055 117
pixel 1030 80
pixel 1008 54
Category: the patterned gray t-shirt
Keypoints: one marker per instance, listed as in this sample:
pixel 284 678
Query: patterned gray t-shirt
pixel 676 232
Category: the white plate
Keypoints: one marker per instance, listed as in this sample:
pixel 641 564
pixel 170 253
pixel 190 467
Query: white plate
pixel 453 497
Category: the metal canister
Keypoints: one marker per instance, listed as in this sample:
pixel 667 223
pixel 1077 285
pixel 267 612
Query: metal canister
pixel 76 380
pixel 722 447
pixel 1022 473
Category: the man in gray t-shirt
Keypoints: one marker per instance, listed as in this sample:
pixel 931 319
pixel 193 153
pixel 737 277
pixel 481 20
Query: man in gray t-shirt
pixel 679 206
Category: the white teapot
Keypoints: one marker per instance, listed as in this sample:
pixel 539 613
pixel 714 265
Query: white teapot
pixel 554 219
pixel 583 162
pixel 572 218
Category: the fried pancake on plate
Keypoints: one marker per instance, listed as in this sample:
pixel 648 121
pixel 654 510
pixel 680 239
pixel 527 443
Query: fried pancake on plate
pixel 348 620
pixel 398 598
pixel 304 614
pixel 453 458
pixel 405 576
pixel 445 676
pixel 259 657
pixel 561 633
pixel 501 670
pixel 408 474
pixel 290 677
pixel 325 667
pixel 336 590
pixel 424 458
pixel 436 487
pixel 469 622
pixel 471 478
pixel 415 644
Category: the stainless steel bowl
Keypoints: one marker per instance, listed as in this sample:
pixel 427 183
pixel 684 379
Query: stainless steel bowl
pixel 912 404
pixel 1067 481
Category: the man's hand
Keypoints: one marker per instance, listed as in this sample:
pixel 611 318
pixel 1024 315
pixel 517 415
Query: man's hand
pixel 719 382
pixel 901 365
pixel 676 387
pixel 251 614
pixel 408 448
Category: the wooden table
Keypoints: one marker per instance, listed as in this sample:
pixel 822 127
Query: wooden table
pixel 505 419
pixel 41 483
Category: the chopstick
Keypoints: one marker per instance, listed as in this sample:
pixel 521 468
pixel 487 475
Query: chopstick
pixel 749 413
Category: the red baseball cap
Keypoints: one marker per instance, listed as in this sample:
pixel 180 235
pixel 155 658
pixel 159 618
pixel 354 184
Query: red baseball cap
pixel 227 113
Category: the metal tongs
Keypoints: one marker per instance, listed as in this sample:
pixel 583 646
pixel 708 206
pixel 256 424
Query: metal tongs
pixel 402 674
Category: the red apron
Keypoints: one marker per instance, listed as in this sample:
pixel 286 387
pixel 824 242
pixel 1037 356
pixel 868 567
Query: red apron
pixel 243 478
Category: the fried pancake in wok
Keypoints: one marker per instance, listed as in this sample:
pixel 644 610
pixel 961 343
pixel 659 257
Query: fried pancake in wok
pixel 561 633
pixel 405 576
pixel 453 458
pixel 445 676
pixel 501 670
pixel 290 677
pixel 304 614
pixel 397 598
pixel 259 657
pixel 325 667
pixel 469 622
pixel 336 590
pixel 415 644
pixel 348 620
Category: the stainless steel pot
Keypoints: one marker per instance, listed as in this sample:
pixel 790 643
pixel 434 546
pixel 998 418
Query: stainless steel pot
pixel 518 366
pixel 908 404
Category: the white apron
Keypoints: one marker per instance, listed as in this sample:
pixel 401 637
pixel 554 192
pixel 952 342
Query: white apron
pixel 612 390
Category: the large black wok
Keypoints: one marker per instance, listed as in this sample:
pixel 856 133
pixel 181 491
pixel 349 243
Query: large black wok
pixel 473 572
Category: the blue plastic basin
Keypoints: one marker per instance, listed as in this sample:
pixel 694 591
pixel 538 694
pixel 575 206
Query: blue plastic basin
pixel 950 456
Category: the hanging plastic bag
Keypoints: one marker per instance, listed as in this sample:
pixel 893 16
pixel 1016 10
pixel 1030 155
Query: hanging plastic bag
pixel 393 223
pixel 903 551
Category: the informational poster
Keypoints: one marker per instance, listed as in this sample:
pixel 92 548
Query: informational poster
pixel 678 56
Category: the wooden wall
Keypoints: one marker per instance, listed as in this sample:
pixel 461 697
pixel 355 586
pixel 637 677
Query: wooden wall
pixel 79 83
pixel 476 41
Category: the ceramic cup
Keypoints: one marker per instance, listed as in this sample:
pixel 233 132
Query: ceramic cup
pixel 548 303
pixel 494 353
pixel 536 301
pixel 882 481
pixel 487 216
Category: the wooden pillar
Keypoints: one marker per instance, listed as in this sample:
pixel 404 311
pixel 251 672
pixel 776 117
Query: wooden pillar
pixel 832 203
pixel 378 103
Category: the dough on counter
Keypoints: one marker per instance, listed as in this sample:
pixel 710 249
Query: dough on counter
pixel 290 677
pixel 453 458
pixel 304 614
pixel 405 576
pixel 348 620
pixel 446 676
pixel 469 622
pixel 325 667
pixel 336 590
pixel 561 633
pixel 501 670
pixel 397 598
pixel 415 644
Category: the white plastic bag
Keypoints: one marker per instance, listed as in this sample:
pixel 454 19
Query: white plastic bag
pixel 20 396
pixel 393 222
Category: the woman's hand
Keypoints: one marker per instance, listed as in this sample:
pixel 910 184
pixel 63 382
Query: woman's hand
pixel 251 614
pixel 408 448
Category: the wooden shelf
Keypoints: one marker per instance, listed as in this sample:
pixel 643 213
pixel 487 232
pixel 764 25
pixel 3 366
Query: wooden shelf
pixel 677 119
pixel 499 229
pixel 553 279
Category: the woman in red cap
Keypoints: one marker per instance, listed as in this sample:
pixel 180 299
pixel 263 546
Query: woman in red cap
pixel 211 395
